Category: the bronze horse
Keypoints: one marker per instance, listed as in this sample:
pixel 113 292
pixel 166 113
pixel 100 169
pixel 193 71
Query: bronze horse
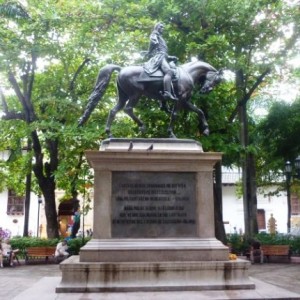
pixel 131 87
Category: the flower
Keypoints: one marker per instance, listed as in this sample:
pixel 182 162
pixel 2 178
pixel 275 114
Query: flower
pixel 232 256
pixel 4 234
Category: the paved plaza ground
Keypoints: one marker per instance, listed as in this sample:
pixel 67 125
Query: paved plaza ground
pixel 39 281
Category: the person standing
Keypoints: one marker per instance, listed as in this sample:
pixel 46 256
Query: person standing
pixel 76 224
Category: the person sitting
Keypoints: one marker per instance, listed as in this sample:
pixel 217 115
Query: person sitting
pixel 256 252
pixel 9 252
pixel 1 256
pixel 61 250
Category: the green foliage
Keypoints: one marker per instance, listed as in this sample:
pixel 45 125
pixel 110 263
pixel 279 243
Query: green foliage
pixel 61 45
pixel 75 245
pixel 280 130
pixel 281 239
pixel 240 245
pixel 14 10
pixel 22 243
pixel 277 138
pixel 237 243
pixel 273 239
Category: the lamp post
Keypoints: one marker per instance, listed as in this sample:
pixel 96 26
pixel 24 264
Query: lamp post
pixel 38 216
pixel 289 176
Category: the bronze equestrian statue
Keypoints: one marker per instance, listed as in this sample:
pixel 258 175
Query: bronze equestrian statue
pixel 154 80
pixel 130 89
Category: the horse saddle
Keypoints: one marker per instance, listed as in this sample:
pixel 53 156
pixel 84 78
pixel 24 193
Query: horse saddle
pixel 157 76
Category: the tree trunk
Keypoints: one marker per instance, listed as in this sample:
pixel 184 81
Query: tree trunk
pixel 27 194
pixel 219 224
pixel 252 197
pixel 48 190
pixel 242 114
pixel 245 170
pixel 44 172
pixel 27 204
pixel 247 164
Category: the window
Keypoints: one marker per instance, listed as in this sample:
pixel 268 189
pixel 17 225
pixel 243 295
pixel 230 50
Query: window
pixel 261 219
pixel 295 205
pixel 15 204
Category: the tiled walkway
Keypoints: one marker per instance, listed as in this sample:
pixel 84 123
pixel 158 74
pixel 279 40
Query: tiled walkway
pixel 39 282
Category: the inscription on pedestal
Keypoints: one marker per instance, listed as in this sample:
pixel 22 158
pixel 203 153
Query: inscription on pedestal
pixel 152 204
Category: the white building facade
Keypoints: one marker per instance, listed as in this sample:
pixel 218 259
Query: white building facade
pixel 12 210
pixel 269 204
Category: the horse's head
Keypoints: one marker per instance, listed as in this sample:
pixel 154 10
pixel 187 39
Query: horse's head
pixel 212 79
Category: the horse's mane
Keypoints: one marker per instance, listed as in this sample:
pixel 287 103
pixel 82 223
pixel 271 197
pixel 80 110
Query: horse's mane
pixel 200 63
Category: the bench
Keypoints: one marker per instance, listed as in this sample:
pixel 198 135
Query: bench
pixel 276 250
pixel 38 253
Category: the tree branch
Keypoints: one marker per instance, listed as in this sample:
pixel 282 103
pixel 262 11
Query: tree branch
pixel 248 95
pixel 12 115
pixel 37 150
pixel 4 103
pixel 31 80
pixel 14 83
pixel 72 83
pixel 52 145
pixel 9 115
pixel 23 98
pixel 76 176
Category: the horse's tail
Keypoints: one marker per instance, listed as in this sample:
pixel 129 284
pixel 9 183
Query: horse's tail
pixel 98 91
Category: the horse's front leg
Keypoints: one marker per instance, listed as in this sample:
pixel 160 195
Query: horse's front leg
pixel 172 121
pixel 129 111
pixel 164 107
pixel 203 125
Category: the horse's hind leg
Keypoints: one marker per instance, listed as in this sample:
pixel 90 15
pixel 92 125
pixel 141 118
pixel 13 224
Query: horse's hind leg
pixel 112 114
pixel 129 111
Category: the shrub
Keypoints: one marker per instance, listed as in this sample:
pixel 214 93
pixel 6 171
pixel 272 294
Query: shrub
pixel 295 245
pixel 22 243
pixel 76 244
pixel 273 239
pixel 239 244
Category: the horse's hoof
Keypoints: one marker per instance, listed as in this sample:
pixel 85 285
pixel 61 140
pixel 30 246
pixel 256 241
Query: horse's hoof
pixel 109 135
pixel 172 135
pixel 165 109
pixel 206 132
pixel 142 129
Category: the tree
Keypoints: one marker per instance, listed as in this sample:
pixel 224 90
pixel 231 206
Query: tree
pixel 240 36
pixel 281 129
pixel 75 38
pixel 47 102
pixel 278 137
pixel 26 43
pixel 248 41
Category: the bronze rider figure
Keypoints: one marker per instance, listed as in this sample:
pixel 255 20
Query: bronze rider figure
pixel 159 59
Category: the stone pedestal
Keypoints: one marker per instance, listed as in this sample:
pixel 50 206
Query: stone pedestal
pixel 153 222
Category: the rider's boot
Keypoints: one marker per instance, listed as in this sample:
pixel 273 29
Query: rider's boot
pixel 167 94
